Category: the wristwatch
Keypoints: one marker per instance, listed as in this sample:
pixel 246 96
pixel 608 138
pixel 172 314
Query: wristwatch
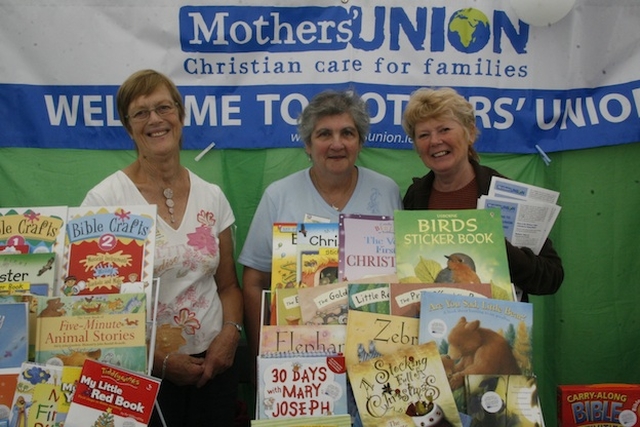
pixel 236 325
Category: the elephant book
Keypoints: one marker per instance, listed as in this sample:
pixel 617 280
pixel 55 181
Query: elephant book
pixel 109 249
pixel 453 246
pixel 478 335
pixel 292 385
pixel 405 388
pixel 110 328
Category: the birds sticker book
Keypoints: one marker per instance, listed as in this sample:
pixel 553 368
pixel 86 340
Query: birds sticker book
pixel 453 246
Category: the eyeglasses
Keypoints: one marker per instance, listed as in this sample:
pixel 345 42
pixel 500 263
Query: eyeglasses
pixel 161 110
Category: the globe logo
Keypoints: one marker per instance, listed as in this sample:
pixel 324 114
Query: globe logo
pixel 468 30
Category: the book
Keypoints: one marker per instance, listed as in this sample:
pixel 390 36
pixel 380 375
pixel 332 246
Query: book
pixel 108 247
pixel 35 230
pixel 370 335
pixel 110 328
pixel 301 385
pixel 324 305
pixel 404 298
pixel 503 400
pixel 8 383
pixel 320 421
pixel 32 305
pixel 302 338
pixel 27 273
pixel 367 246
pixel 14 334
pixel 405 388
pixel 453 246
pixel 317 248
pixel 371 297
pixel 43 394
pixel 283 260
pixel 478 335
pixel 287 306
pixel 108 395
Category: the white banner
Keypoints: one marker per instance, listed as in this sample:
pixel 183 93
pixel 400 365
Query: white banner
pixel 247 70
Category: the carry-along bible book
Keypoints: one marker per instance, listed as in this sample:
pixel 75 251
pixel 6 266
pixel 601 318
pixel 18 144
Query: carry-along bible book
pixel 107 248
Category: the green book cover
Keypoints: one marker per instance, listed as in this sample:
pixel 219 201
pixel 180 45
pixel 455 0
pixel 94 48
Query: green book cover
pixel 453 246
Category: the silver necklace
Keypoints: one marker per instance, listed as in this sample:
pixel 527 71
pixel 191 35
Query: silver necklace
pixel 168 195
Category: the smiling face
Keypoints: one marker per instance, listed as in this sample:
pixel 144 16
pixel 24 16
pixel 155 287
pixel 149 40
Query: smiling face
pixel 443 145
pixel 158 134
pixel 335 144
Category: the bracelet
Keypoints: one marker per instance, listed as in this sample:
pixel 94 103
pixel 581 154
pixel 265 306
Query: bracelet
pixel 164 365
pixel 235 325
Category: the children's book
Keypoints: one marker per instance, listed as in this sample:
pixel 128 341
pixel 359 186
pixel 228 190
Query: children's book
pixel 405 388
pixel 302 338
pixel 324 305
pixel 453 246
pixel 321 421
pixel 404 298
pixel 110 328
pixel 317 254
pixel 283 261
pixel 367 246
pixel 8 383
pixel 288 306
pixel 108 248
pixel 503 400
pixel 370 335
pixel 301 385
pixel 107 395
pixel 43 394
pixel 478 335
pixel 32 273
pixel 34 230
pixel 371 297
pixel 14 334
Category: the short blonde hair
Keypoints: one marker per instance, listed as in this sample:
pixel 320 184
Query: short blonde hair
pixel 441 103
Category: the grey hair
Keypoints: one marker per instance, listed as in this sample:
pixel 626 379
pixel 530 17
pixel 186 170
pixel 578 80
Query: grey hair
pixel 332 103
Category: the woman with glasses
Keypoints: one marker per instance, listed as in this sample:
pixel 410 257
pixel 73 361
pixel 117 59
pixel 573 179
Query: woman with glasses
pixel 200 303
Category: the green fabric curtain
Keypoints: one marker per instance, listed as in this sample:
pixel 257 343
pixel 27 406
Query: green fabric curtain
pixel 586 333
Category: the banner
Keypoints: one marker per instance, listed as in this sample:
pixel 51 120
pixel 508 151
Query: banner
pixel 246 71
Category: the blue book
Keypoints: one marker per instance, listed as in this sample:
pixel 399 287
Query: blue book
pixel 14 334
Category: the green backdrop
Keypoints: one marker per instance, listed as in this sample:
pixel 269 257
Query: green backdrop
pixel 589 332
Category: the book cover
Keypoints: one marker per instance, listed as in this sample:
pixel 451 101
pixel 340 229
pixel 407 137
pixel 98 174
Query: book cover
pixel 503 400
pixel 108 247
pixel 8 383
pixel 478 335
pixel 110 328
pixel 108 395
pixel 404 298
pixel 367 246
pixel 301 385
pixel 43 394
pixel 27 273
pixel 320 421
pixel 288 306
pixel 283 261
pixel 35 230
pixel 406 388
pixel 370 335
pixel 32 305
pixel 14 334
pixel 324 305
pixel 302 338
pixel 371 297
pixel 459 246
pixel 317 253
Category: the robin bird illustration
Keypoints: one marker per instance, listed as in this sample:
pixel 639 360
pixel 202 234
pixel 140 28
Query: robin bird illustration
pixel 460 269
